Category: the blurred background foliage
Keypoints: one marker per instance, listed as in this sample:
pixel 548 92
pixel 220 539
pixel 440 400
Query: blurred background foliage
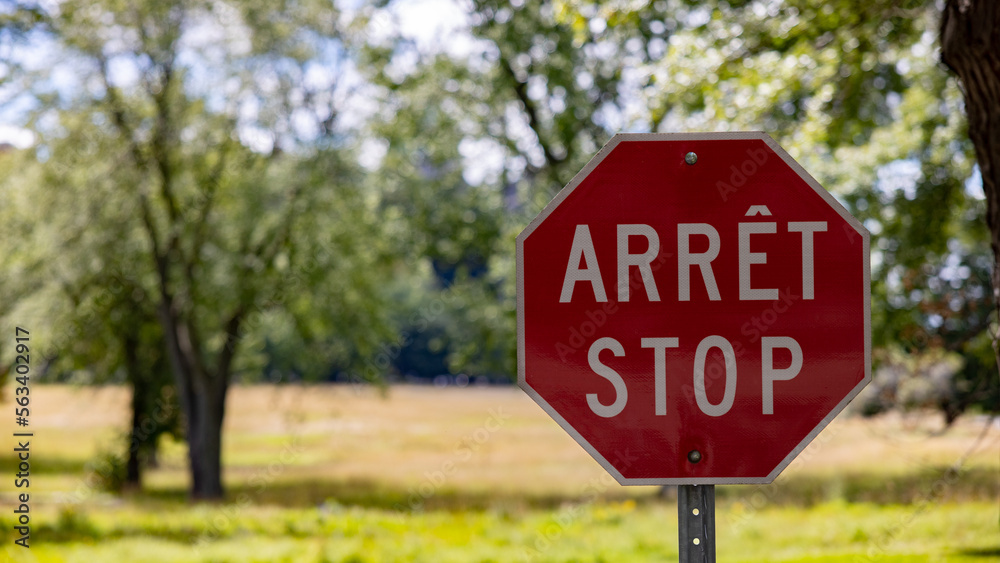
pixel 349 177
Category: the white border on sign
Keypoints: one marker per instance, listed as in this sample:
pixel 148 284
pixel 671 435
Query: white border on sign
pixel 576 181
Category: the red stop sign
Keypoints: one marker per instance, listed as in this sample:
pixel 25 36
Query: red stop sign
pixel 693 308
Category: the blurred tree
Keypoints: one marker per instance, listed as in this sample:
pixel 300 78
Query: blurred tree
pixel 123 341
pixel 849 87
pixel 13 25
pixel 854 91
pixel 514 114
pixel 101 324
pixel 216 132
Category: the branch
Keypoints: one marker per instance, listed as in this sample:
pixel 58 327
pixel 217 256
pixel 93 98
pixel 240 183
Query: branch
pixel 269 247
pixel 161 146
pixel 159 259
pixel 969 333
pixel 521 90
pixel 118 113
pixel 232 332
pixel 185 351
pixel 211 186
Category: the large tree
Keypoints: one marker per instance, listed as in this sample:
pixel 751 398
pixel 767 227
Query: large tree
pixel 216 129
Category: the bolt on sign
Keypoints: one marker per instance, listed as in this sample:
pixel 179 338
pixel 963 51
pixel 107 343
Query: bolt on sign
pixel 693 308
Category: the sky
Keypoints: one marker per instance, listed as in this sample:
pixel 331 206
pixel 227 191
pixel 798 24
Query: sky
pixel 17 136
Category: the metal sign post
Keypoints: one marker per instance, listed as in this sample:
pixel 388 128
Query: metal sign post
pixel 696 523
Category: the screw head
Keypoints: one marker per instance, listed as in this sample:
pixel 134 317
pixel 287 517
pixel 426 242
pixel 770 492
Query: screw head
pixel 694 456
pixel 691 158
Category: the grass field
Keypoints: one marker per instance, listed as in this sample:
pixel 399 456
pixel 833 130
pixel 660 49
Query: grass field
pixel 339 473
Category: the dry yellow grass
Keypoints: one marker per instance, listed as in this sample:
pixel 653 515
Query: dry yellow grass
pixel 482 439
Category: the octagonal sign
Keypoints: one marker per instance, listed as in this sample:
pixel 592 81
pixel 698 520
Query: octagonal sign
pixel 693 308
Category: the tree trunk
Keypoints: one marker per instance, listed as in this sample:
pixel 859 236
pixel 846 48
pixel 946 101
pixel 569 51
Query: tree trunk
pixel 970 47
pixel 203 403
pixel 203 398
pixel 205 441
pixel 154 411
pixel 133 466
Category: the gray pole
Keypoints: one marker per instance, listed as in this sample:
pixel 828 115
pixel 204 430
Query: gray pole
pixel 696 523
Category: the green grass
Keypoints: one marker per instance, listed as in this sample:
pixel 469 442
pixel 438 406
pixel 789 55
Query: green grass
pixel 586 532
pixel 322 474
